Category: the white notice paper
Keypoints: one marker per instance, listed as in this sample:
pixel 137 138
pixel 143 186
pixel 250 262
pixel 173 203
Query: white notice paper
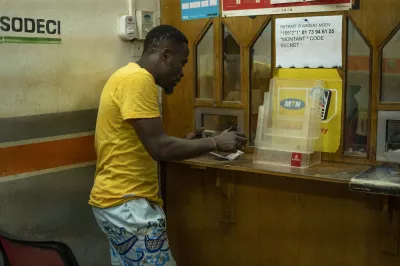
pixel 309 42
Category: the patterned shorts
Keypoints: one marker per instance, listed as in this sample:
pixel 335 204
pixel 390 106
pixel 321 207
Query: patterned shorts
pixel 137 233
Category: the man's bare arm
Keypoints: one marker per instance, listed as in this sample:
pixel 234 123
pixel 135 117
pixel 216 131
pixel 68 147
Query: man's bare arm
pixel 162 147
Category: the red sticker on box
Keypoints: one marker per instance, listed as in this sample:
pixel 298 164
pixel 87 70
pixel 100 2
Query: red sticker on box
pixel 296 159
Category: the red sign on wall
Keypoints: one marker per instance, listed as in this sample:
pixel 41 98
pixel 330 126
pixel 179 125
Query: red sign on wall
pixel 232 8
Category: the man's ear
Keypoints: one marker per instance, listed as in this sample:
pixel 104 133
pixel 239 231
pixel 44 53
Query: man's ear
pixel 165 53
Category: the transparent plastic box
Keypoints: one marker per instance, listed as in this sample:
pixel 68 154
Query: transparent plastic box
pixel 289 124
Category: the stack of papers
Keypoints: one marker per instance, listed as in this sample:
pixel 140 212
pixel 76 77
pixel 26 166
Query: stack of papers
pixel 229 157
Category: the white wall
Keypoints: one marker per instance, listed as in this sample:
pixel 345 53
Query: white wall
pixel 47 78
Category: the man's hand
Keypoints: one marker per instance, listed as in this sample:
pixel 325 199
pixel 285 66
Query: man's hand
pixel 197 134
pixel 230 141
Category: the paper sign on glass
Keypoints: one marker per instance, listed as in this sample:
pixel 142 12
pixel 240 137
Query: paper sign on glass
pixel 197 9
pixel 309 42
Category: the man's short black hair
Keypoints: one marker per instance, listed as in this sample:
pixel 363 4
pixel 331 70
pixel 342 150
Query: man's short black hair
pixel 160 35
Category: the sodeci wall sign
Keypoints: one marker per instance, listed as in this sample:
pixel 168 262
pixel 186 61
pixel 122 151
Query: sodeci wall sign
pixel 29 30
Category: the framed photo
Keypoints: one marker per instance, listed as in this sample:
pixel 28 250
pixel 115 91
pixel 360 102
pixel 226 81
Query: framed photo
pixel 388 137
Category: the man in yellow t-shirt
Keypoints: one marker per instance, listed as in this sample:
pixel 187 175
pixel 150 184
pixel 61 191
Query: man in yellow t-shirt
pixel 129 141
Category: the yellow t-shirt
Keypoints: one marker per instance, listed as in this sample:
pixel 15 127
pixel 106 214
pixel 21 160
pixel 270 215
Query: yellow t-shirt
pixel 124 169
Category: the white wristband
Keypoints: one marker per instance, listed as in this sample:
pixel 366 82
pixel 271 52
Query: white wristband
pixel 215 144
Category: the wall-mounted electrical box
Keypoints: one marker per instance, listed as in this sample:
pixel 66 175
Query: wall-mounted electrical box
pixel 145 23
pixel 127 29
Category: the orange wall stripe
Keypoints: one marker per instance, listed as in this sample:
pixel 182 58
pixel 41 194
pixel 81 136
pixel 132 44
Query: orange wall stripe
pixel 44 155
pixel 358 63
pixel 391 66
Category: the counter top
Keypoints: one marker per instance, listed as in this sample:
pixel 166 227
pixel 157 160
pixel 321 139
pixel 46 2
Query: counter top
pixel 325 171
pixel 383 180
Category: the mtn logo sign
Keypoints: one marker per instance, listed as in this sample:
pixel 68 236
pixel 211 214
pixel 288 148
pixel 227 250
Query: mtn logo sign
pixel 292 104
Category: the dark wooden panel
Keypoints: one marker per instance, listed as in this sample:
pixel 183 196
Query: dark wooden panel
pixel 278 221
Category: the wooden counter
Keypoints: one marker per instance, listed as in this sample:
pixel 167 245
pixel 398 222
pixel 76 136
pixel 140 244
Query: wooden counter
pixel 240 213
pixel 324 172
pixel 332 172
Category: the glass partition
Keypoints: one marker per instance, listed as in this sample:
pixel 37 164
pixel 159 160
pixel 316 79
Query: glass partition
pixel 390 90
pixel 358 90
pixel 231 68
pixel 217 120
pixel 205 73
pixel 260 64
